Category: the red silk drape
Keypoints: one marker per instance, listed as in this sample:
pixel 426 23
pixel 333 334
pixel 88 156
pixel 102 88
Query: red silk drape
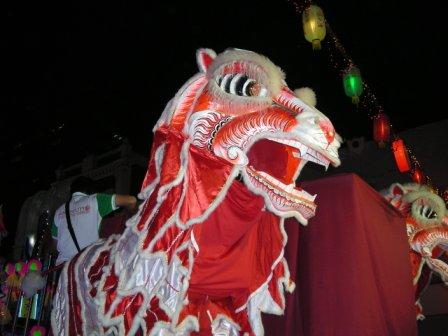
pixel 351 264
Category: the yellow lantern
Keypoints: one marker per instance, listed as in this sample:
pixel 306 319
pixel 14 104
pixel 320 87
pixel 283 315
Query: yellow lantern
pixel 314 25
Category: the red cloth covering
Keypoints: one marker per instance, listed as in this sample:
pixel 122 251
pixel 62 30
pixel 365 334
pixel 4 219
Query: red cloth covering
pixel 240 249
pixel 351 264
pixel 238 245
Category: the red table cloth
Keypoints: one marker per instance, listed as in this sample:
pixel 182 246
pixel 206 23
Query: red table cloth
pixel 352 267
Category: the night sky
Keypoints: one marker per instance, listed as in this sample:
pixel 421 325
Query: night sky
pixel 76 76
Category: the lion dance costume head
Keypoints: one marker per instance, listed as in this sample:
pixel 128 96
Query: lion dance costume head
pixel 204 254
pixel 427 231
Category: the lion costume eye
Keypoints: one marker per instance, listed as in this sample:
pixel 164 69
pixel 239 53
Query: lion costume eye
pixel 241 85
pixel 427 212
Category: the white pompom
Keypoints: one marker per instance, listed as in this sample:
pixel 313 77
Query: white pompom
pixel 307 95
pixel 32 282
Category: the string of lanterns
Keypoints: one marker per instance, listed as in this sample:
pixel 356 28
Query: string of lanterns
pixel 316 28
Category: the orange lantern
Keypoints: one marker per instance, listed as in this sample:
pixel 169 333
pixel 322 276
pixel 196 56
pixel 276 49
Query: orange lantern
pixel 381 129
pixel 418 176
pixel 401 156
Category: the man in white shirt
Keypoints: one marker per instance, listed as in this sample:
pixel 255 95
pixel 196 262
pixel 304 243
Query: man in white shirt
pixel 86 212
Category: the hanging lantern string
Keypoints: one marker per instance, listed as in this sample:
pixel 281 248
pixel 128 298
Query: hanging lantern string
pixel 415 164
pixel 368 100
pixel 341 61
pixel 337 45
pixel 300 6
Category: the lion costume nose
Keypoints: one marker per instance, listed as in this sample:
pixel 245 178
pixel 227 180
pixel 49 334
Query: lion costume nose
pixel 288 99
pixel 328 129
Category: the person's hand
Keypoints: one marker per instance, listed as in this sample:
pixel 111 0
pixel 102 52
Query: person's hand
pixel 134 207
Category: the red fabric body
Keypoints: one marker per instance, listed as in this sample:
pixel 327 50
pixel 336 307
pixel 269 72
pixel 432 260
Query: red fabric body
pixel 351 264
pixel 238 245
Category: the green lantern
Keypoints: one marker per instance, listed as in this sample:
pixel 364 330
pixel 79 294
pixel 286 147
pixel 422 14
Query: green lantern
pixel 353 84
pixel 313 21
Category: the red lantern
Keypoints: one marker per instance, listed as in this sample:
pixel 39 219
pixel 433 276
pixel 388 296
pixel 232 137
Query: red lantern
pixel 381 129
pixel 418 176
pixel 401 156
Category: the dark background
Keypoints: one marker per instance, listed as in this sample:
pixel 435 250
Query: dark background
pixel 76 77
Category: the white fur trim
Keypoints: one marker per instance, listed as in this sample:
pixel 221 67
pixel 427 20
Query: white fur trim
pixel 193 240
pixel 201 54
pixel 223 325
pixel 420 317
pixel 274 76
pixel 307 95
pixel 419 272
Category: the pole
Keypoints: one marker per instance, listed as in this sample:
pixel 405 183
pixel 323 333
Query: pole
pixel 16 315
pixel 28 313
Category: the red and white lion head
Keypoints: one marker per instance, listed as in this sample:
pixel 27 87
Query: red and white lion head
pixel 239 110
pixel 427 230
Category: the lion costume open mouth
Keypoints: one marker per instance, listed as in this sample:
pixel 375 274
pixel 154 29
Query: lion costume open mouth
pixel 271 146
pixel 277 181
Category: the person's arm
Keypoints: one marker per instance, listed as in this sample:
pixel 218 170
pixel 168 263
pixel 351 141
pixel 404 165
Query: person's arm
pixel 126 201
pixel 108 203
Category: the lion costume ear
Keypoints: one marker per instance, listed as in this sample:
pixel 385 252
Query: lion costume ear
pixel 204 57
pixel 397 189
